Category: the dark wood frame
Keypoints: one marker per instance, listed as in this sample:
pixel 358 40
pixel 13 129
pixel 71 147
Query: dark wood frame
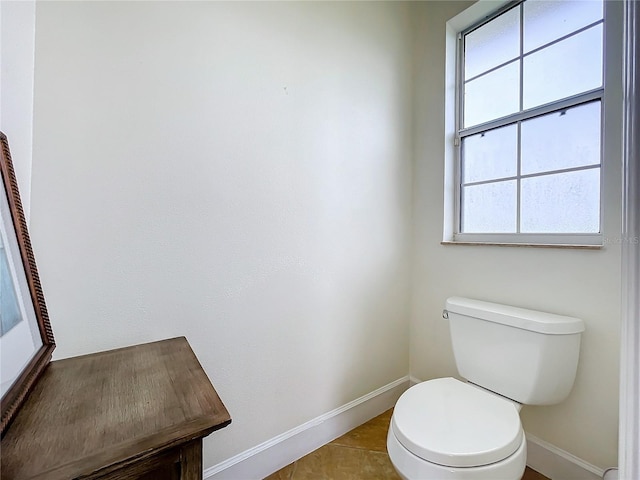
pixel 16 394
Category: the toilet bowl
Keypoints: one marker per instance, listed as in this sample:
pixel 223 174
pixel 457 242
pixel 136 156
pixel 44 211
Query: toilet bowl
pixel 446 429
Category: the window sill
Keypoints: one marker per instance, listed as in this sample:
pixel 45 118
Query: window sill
pixel 528 245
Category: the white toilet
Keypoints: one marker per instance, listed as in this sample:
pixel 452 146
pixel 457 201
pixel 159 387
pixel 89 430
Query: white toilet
pixel 446 429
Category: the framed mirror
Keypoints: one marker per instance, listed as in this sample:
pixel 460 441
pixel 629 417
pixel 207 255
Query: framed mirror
pixel 26 338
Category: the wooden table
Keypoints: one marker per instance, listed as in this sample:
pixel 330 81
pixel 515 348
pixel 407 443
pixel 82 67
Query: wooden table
pixel 134 413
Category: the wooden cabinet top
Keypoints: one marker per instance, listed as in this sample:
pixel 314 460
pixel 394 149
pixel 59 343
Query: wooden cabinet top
pixel 99 411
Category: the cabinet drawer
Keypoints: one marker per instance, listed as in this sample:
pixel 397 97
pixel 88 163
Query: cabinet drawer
pixel 173 464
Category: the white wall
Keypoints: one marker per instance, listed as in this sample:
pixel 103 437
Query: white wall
pixel 584 284
pixel 17 47
pixel 238 173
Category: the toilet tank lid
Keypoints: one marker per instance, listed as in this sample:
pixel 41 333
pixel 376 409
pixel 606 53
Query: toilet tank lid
pixel 541 322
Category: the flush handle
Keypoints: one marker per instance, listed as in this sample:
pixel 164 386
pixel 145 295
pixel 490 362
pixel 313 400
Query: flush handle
pixel 445 314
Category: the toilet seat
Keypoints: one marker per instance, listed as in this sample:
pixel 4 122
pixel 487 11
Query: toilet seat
pixel 451 423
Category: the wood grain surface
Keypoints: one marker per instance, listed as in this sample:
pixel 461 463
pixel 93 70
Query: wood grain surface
pixel 89 416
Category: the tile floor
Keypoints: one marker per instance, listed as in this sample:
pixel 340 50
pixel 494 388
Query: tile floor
pixel 360 454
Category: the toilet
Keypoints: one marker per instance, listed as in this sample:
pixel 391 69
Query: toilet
pixel 448 429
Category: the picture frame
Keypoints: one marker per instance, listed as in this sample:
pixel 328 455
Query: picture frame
pixel 26 337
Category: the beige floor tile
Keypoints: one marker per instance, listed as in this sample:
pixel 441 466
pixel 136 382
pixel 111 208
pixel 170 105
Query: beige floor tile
pixel 371 435
pixel 282 474
pixel 333 462
pixel 530 474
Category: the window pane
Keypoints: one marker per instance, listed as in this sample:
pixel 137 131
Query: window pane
pixel 566 68
pixel 545 21
pixel 493 95
pixel 489 208
pixel 561 203
pixel 492 44
pixel 490 155
pixel 566 139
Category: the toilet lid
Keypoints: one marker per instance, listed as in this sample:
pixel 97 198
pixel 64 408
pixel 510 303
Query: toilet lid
pixel 451 423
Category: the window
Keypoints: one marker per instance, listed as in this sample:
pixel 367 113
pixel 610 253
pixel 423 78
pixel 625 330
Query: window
pixel 529 125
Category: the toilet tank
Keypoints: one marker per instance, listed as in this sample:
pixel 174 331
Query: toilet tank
pixel 528 356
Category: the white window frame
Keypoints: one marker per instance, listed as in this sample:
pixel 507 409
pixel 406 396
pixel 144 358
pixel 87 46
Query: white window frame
pixel 452 233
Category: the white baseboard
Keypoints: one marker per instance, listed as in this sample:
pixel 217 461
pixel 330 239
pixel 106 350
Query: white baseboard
pixel 270 456
pixel 556 464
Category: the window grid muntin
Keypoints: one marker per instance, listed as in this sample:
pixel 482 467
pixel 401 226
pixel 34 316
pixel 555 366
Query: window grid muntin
pixel 523 55
pixel 506 121
pixel 518 177
pixel 565 103
pixel 532 175
pixel 519 128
